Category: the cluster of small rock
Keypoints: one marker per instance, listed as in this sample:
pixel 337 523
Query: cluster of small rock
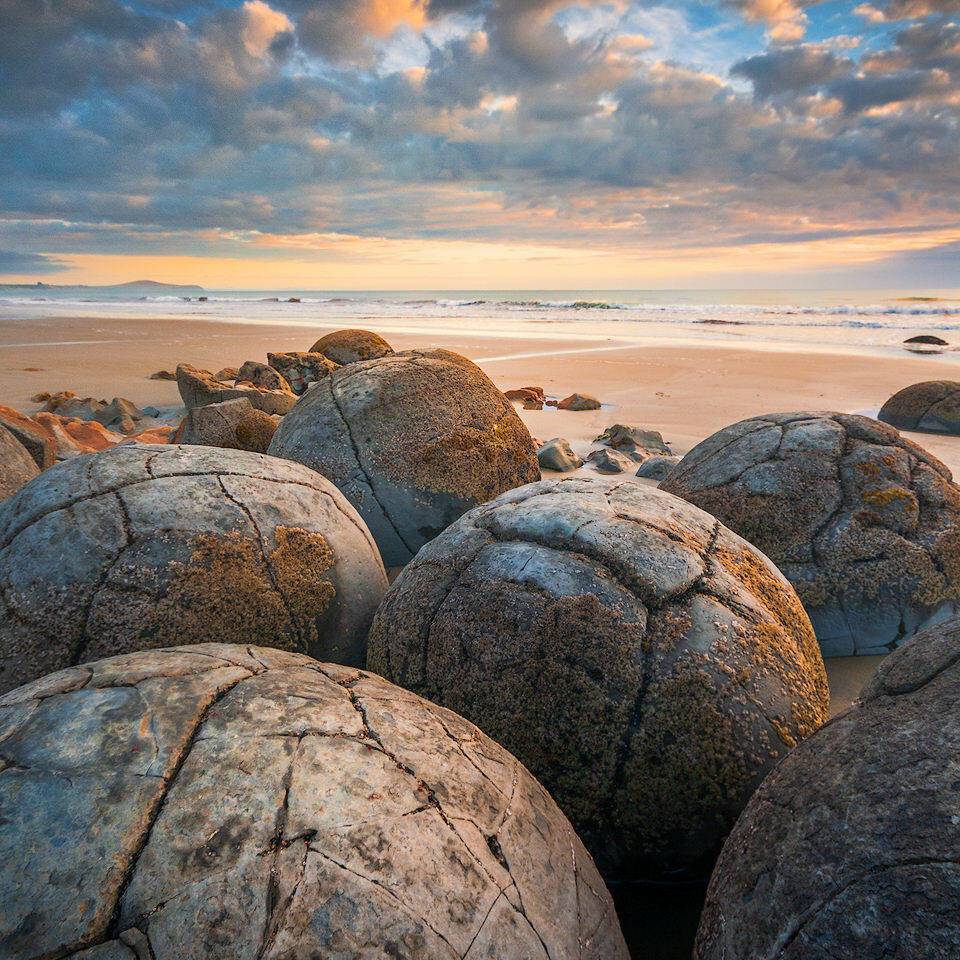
pixel 260 794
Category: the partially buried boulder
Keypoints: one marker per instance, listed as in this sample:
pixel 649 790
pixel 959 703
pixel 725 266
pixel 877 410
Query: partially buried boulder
pixel 621 436
pixel 932 406
pixel 233 424
pixel 850 848
pixel 233 801
pixel 646 664
pixel 657 467
pixel 200 387
pixel 579 401
pixel 16 464
pixel 863 522
pixel 612 461
pixel 413 439
pixel 352 346
pixel 142 545
pixel 557 455
pixel 300 369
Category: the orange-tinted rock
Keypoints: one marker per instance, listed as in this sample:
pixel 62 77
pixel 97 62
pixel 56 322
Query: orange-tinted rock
pixel 16 465
pixel 153 435
pixel 37 441
pixel 75 436
pixel 352 346
pixel 526 393
pixel 163 375
pixel 579 401
pixel 53 400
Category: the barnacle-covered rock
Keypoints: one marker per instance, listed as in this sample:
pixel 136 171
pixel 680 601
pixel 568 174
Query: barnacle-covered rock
pixel 144 546
pixel 644 662
pixel 863 522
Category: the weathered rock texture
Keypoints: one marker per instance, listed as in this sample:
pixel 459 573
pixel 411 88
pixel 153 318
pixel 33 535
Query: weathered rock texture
pixel 644 662
pixel 557 455
pixel 16 464
pixel 234 424
pixel 37 441
pixel 657 467
pixel 300 369
pixel 352 346
pixel 142 546
pixel 579 401
pixel 863 522
pixel 413 439
pixel 261 375
pixel 217 801
pixel 850 847
pixel 933 406
pixel 200 387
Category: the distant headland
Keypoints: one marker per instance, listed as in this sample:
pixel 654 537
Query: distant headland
pixel 136 287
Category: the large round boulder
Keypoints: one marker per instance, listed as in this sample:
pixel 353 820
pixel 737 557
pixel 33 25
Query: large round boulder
pixel 644 662
pixel 352 346
pixel 144 546
pixel 214 801
pixel 413 439
pixel 850 848
pixel 16 464
pixel 863 522
pixel 932 406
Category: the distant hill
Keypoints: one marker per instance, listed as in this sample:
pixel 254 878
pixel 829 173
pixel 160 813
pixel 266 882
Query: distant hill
pixel 137 287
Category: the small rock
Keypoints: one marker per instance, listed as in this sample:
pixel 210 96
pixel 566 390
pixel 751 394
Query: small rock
pixel 927 338
pixel 621 435
pixel 301 368
pixel 526 393
pixel 17 467
pixel 151 412
pixel 227 373
pixel 83 409
pixel 261 375
pixel 532 405
pixel 579 401
pixel 557 455
pixel 611 461
pixel 119 414
pixel 657 467
pixel 53 400
pixel 163 375
pixel 153 435
pixel 551 403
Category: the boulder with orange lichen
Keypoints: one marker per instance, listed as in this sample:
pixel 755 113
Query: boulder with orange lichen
pixel 38 441
pixel 352 346
pixel 413 439
pixel 863 522
pixel 648 665
pixel 141 546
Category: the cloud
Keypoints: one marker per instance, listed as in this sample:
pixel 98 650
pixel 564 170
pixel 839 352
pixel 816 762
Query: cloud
pixel 907 10
pixel 792 69
pixel 14 263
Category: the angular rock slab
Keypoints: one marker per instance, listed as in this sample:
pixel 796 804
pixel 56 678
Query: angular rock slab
pixel 213 801
pixel 644 662
pixel 863 522
pixel 413 440
pixel 850 848
pixel 17 466
pixel 141 546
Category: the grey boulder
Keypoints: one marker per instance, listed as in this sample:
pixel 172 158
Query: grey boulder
pixel 657 467
pixel 850 848
pixel 557 455
pixel 647 665
pixel 233 423
pixel 233 801
pixel 413 440
pixel 863 522
pixel 140 546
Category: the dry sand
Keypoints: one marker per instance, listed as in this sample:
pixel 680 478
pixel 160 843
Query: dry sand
pixel 684 390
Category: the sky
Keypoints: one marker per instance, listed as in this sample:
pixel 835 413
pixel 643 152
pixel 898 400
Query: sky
pixel 481 144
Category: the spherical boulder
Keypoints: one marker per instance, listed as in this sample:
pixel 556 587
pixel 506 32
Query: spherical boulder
pixel 932 406
pixel 413 439
pixel 645 663
pixel 850 847
pixel 863 522
pixel 144 546
pixel 16 464
pixel 214 801
pixel 352 346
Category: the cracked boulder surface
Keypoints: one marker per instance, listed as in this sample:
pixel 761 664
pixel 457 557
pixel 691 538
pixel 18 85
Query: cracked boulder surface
pixel 413 440
pixel 146 546
pixel 645 663
pixel 213 801
pixel 863 522
pixel 850 847
pixel 17 467
pixel 352 346
pixel 932 406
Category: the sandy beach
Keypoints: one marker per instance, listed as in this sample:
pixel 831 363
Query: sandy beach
pixel 687 386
